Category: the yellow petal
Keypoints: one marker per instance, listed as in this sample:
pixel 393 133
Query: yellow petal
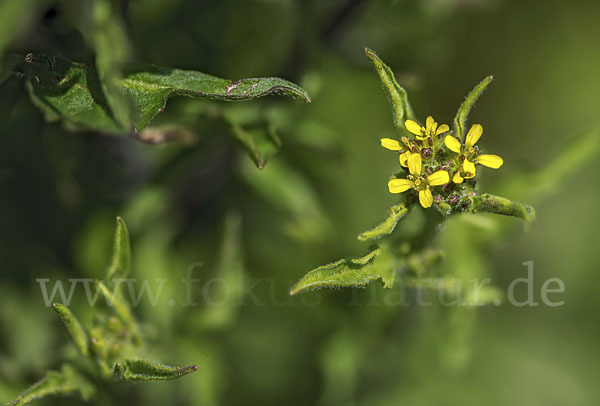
pixel 438 178
pixel 442 129
pixel 457 178
pixel 399 185
pixel 391 144
pixel 414 164
pixel 452 143
pixel 404 158
pixel 491 161
pixel 413 127
pixel 469 168
pixel 473 135
pixel 425 198
pixel 429 123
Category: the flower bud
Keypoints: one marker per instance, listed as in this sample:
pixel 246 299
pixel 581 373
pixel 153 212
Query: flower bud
pixel 453 199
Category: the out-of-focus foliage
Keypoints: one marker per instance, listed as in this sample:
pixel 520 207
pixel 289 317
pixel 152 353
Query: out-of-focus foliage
pixel 108 342
pixel 198 207
pixel 77 95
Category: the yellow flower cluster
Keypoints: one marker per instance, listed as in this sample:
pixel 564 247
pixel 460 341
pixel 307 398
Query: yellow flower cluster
pixel 427 146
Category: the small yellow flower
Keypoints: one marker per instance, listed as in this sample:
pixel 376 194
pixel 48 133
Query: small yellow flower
pixel 431 128
pixel 405 150
pixel 470 154
pixel 418 182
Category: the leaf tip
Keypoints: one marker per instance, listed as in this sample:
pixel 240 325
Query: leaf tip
pixel 190 370
pixel 120 221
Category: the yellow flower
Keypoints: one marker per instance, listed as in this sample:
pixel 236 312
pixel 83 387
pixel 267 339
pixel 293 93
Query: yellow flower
pixel 405 150
pixel 470 154
pixel 431 128
pixel 418 182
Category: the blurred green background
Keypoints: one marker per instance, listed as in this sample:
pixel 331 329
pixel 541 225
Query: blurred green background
pixel 60 192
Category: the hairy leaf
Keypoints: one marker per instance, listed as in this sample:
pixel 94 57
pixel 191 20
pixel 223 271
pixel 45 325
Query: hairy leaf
pixel 395 213
pixel 65 382
pixel 142 370
pixel 397 95
pixel 121 259
pixel 460 121
pixel 77 333
pixel 378 264
pixel 487 203
pixel 72 92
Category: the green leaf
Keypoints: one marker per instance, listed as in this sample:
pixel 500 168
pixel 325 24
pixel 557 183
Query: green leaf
pixel 150 86
pixel 261 143
pixel 142 370
pixel 397 95
pixel 395 213
pixel 378 264
pixel 65 382
pixel 77 333
pixel 101 24
pixel 487 203
pixel 121 259
pixel 460 121
pixel 72 92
